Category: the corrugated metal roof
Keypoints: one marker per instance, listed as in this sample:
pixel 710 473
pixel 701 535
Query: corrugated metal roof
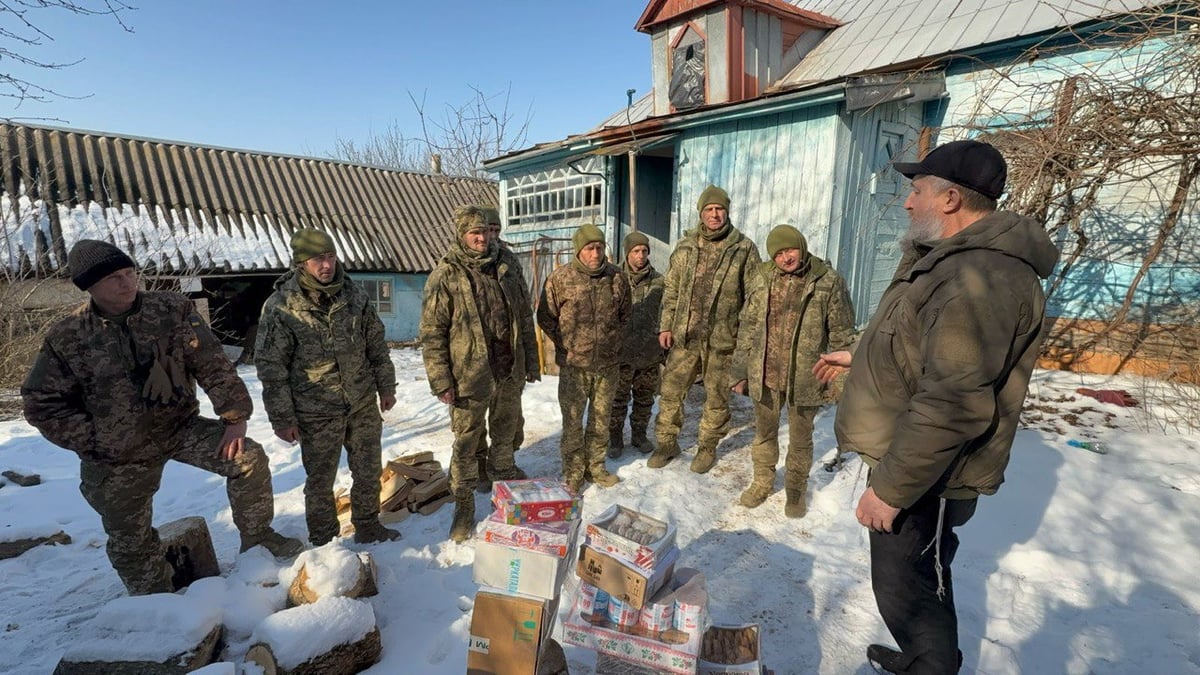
pixel 640 110
pixel 194 209
pixel 878 34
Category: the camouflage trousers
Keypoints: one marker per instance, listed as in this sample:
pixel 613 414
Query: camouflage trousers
pixel 683 365
pixel 764 451
pixel 321 443
pixel 473 421
pixel 585 392
pixel 123 495
pixel 640 385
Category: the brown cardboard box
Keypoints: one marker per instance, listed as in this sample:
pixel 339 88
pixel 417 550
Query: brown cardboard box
pixel 623 580
pixel 507 633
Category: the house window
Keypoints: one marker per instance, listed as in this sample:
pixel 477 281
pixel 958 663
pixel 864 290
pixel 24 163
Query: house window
pixel 560 196
pixel 380 293
pixel 687 71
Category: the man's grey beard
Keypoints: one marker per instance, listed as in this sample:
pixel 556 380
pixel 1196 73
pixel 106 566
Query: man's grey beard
pixel 922 230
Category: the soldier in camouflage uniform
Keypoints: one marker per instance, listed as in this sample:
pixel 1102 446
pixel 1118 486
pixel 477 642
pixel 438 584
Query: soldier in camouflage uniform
pixel 798 309
pixel 706 287
pixel 322 360
pixel 115 382
pixel 583 309
pixel 641 355
pixel 479 347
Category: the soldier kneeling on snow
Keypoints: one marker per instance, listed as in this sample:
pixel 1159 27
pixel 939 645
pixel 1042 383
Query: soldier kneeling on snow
pixel 115 382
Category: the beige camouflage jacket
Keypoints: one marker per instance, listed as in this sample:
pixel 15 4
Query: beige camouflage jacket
pixel 731 279
pixel 584 314
pixel 453 344
pixel 826 324
pixel 320 361
pixel 85 391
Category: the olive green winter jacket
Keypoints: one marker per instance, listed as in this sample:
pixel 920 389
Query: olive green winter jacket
pixel 730 283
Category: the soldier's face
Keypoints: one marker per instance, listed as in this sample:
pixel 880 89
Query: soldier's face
pixel 714 216
pixel 322 267
pixel 476 239
pixel 787 260
pixel 592 255
pixel 638 256
pixel 116 293
pixel 493 233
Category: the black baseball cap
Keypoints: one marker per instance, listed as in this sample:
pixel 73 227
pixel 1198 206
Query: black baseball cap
pixel 971 164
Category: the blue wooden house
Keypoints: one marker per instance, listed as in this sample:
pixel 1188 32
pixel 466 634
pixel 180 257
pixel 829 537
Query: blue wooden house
pixel 798 107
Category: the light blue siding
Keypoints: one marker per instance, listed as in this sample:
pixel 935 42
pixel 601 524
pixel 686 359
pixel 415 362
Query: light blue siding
pixel 401 324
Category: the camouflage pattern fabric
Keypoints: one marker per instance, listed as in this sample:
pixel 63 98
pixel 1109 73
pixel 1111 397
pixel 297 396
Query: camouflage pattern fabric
pixel 504 420
pixel 764 452
pixel 321 442
pixel 683 366
pixel 468 417
pixel 640 347
pixel 585 392
pixel 640 385
pixel 730 281
pixel 584 313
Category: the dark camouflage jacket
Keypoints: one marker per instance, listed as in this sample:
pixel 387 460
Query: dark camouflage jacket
pixel 729 283
pixel 320 360
pixel 453 344
pixel 584 314
pixel 640 348
pixel 84 392
pixel 826 324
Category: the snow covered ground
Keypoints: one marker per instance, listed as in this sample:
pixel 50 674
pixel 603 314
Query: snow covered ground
pixel 1083 563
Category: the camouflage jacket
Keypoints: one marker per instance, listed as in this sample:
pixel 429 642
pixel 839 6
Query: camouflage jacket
pixel 320 361
pixel 826 324
pixel 453 344
pixel 85 391
pixel 640 348
pixel 584 314
pixel 730 281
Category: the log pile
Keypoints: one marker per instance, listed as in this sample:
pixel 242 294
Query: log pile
pixel 414 483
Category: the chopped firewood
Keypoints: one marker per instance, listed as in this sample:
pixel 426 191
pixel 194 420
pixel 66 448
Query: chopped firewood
pixel 23 479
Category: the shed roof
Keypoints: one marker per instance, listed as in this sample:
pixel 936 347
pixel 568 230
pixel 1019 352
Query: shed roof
pixel 198 208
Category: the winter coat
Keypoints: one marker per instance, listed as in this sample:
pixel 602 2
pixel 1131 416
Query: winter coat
pixel 730 281
pixel 453 344
pixel 85 391
pixel 584 314
pixel 320 360
pixel 937 382
pixel 640 348
pixel 826 324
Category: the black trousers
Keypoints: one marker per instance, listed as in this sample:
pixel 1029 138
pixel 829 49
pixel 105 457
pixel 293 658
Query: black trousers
pixel 905 579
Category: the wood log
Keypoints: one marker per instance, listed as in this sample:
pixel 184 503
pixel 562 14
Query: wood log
pixel 12 549
pixel 416 458
pixel 203 654
pixel 23 479
pixel 364 586
pixel 189 550
pixel 423 492
pixel 344 659
pixel 434 504
pixel 398 497
pixel 418 472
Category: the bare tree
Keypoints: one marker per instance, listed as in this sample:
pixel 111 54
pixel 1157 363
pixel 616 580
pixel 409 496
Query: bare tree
pixel 22 36
pixel 462 136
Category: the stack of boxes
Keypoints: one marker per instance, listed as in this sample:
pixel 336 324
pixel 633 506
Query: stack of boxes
pixel 633 604
pixel 523 552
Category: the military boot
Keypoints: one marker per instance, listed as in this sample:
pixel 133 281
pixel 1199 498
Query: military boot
pixel 510 473
pixel 668 449
pixel 639 441
pixel 616 444
pixel 706 457
pixel 280 546
pixel 795 507
pixel 464 517
pixel 601 477
pixel 484 482
pixel 759 489
pixel 373 533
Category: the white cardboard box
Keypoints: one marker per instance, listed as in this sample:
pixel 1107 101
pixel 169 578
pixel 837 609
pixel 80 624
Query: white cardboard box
pixel 518 570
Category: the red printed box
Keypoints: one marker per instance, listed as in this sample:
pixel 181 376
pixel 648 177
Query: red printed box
pixel 631 536
pixel 535 500
pixel 552 538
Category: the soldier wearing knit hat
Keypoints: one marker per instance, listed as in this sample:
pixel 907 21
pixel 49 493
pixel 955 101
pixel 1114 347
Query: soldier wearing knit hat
pixel 91 260
pixel 639 372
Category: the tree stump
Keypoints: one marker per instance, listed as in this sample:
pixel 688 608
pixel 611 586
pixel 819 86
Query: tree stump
pixel 365 586
pixel 194 659
pixel 345 659
pixel 12 549
pixel 189 550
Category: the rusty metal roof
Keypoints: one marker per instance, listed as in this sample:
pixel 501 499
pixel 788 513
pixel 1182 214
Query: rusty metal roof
pixel 188 209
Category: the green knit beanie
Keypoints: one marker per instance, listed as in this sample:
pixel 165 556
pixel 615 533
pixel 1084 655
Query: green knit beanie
pixel 585 235
pixel 783 237
pixel 713 195
pixel 469 217
pixel 633 240
pixel 309 243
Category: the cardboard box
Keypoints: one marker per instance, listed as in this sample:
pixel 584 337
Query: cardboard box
pixel 741 643
pixel 512 569
pixel 507 634
pixel 608 532
pixel 661 657
pixel 551 538
pixel 622 580
pixel 535 500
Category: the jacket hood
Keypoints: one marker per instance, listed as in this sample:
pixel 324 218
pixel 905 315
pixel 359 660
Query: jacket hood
pixel 1003 231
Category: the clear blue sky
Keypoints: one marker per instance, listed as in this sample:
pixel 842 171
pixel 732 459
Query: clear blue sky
pixel 293 76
